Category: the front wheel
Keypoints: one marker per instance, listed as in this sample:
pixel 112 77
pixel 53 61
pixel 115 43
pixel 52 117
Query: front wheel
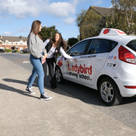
pixel 109 92
pixel 58 74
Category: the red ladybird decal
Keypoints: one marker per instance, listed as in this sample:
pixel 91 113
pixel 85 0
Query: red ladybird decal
pixel 106 31
pixel 120 32
pixel 60 63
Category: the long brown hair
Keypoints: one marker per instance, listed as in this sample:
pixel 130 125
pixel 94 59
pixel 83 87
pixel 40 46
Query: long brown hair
pixel 61 42
pixel 35 27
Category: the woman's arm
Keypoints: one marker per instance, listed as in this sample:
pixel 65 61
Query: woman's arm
pixel 46 42
pixel 63 53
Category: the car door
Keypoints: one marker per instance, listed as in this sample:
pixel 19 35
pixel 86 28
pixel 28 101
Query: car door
pixel 95 59
pixel 71 66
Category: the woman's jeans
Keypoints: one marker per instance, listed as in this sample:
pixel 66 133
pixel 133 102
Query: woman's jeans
pixel 37 70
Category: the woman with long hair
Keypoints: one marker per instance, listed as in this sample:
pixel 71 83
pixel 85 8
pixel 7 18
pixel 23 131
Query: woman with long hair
pixel 55 47
pixel 37 58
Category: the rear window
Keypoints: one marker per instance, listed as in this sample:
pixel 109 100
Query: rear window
pixel 132 45
pixel 101 46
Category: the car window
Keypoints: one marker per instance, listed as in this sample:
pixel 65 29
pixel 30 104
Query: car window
pixel 101 46
pixel 132 45
pixel 79 48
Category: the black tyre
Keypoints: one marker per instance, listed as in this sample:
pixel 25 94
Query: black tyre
pixel 58 74
pixel 109 92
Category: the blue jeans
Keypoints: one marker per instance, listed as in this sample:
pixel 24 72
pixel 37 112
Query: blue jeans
pixel 37 70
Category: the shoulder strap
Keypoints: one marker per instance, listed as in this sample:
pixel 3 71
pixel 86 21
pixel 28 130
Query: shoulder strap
pixel 48 46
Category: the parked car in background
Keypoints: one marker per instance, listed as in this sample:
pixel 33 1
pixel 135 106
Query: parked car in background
pixel 24 50
pixel 2 50
pixel 106 63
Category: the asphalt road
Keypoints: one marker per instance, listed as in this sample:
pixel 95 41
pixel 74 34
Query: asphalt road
pixel 20 59
pixel 125 113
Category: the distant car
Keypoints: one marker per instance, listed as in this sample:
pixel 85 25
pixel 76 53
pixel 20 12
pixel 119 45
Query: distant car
pixel 25 50
pixel 2 50
pixel 14 51
pixel 106 63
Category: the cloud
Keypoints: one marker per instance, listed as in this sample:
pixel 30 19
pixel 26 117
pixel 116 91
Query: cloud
pixel 64 9
pixel 21 8
pixel 69 20
pixel 24 8
pixel 61 8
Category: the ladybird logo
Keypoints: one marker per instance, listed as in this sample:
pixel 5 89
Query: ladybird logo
pixel 121 32
pixel 111 32
pixel 60 63
pixel 83 69
pixel 106 31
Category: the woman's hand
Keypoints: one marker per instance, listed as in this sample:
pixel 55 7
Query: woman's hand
pixel 44 58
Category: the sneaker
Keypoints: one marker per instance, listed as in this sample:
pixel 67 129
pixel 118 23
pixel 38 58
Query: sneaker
pixel 30 90
pixel 45 97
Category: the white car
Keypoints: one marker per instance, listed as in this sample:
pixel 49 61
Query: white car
pixel 106 63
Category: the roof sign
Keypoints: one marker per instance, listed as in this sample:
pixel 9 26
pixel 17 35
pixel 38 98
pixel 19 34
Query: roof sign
pixel 111 32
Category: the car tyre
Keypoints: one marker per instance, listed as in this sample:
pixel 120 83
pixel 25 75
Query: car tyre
pixel 58 74
pixel 109 92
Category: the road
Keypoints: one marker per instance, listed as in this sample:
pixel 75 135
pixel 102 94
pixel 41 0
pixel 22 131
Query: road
pixel 20 59
pixel 124 113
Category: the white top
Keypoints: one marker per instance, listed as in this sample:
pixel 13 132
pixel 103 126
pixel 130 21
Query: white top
pixel 52 51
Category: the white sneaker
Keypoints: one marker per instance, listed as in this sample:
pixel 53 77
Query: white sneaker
pixel 30 90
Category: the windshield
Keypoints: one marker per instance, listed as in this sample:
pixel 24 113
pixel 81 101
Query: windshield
pixel 132 45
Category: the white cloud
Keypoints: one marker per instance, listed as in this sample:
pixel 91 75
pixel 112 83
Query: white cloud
pixel 69 20
pixel 64 9
pixel 23 8
pixel 20 8
pixel 61 8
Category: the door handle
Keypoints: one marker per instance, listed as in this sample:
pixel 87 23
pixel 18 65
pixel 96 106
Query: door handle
pixel 92 56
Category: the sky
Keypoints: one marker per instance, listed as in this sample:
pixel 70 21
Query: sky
pixel 16 16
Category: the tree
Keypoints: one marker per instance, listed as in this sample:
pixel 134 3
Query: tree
pixel 80 17
pixel 90 23
pixel 124 16
pixel 48 32
pixel 72 41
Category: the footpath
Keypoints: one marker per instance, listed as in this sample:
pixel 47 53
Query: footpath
pixel 26 115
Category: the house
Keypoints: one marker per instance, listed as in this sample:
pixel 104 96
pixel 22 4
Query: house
pixel 13 42
pixel 95 17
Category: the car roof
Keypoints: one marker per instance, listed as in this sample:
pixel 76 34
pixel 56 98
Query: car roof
pixel 119 39
pixel 115 35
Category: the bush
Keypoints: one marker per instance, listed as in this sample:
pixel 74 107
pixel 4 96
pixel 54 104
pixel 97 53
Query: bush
pixel 72 41
pixel 8 50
